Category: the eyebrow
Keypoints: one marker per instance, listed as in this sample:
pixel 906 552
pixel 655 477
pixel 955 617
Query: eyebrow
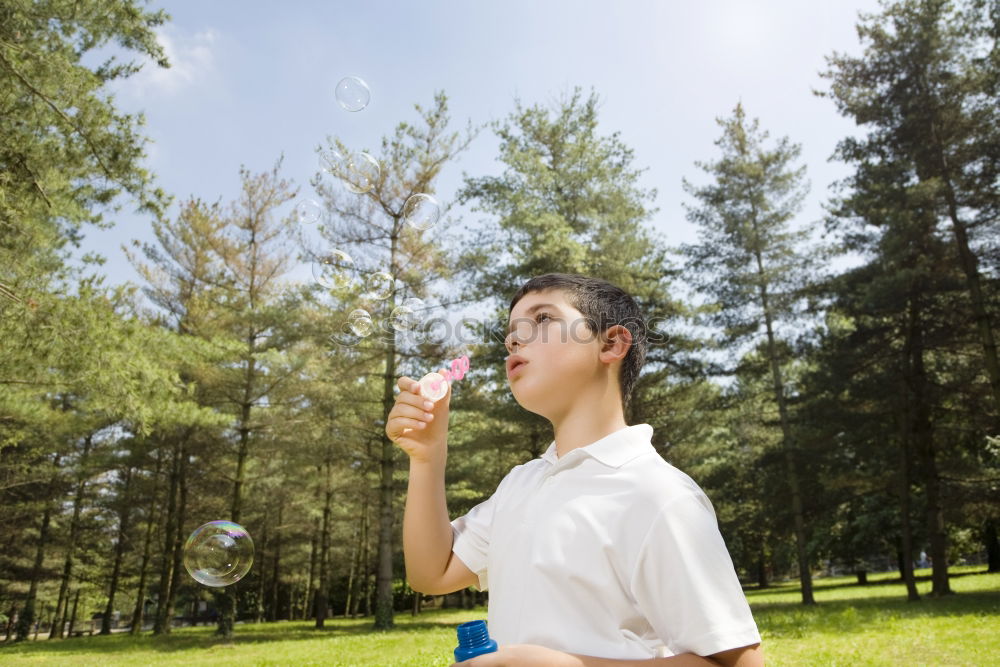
pixel 537 306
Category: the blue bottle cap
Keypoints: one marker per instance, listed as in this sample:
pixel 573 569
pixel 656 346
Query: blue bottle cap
pixel 473 639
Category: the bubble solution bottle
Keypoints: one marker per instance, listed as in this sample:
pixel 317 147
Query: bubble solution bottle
pixel 473 639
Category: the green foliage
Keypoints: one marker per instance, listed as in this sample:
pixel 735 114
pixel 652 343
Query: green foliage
pixel 237 396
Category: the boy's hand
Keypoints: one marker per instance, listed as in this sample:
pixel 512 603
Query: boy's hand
pixel 420 431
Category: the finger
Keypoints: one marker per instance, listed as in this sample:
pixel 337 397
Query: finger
pixel 408 384
pixel 402 424
pixel 411 411
pixel 413 400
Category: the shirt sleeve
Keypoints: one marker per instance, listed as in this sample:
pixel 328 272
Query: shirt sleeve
pixel 471 536
pixel 685 584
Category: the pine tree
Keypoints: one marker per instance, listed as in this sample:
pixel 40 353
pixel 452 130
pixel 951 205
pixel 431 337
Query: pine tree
pixel 751 263
pixel 570 200
pixel 367 221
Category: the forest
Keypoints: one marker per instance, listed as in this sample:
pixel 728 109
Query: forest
pixel 834 386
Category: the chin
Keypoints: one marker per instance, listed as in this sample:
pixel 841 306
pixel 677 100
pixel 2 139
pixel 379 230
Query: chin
pixel 535 406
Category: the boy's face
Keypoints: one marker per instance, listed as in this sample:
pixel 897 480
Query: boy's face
pixel 554 357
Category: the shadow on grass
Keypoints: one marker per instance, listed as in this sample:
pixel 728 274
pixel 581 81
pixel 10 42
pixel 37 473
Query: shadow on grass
pixel 183 639
pixel 793 619
pixel 874 581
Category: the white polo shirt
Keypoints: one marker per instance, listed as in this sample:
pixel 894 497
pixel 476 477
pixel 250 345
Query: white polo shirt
pixel 609 551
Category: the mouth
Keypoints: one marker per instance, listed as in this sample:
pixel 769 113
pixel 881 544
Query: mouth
pixel 515 363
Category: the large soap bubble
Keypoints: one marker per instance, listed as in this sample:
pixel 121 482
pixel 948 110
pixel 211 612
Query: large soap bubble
pixel 360 172
pixel 421 211
pixel 335 269
pixel 379 285
pixel 353 93
pixel 219 553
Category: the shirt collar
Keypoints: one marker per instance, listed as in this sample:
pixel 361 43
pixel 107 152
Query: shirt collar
pixel 613 450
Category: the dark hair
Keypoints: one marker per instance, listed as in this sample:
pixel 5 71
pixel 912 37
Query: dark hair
pixel 603 305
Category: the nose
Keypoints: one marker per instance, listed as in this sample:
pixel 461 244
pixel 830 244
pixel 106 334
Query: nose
pixel 510 342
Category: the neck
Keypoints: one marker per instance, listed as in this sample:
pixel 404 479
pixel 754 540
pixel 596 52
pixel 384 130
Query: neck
pixel 588 421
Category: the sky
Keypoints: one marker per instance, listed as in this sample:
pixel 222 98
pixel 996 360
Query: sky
pixel 253 81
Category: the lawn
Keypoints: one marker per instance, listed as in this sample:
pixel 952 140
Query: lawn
pixel 851 625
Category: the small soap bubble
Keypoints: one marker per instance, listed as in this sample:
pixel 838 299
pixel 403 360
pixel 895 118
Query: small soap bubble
pixel 421 211
pixel 414 304
pixel 219 553
pixel 360 322
pixel 333 162
pixel 433 386
pixel 307 211
pixel 334 270
pixel 353 93
pixel 378 286
pixel 345 337
pixel 402 318
pixel 360 172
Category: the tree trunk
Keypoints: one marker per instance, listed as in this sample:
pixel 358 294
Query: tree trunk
pixel 62 605
pixel 363 564
pixel 177 570
pixel 72 616
pixel 923 439
pixel 162 625
pixel 227 612
pixel 225 605
pixel 259 561
pixel 138 614
pixel 387 487
pixel 352 572
pixel 10 622
pixel 273 611
pixel 308 608
pixel 123 520
pixel 27 617
pixel 992 545
pixel 761 569
pixel 788 446
pixel 322 592
pixel 905 468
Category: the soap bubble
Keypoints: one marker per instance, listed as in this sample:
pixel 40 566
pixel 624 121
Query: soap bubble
pixel 360 172
pixel 414 304
pixel 353 93
pixel 333 162
pixel 402 318
pixel 407 315
pixel 360 322
pixel 307 211
pixel 421 211
pixel 379 286
pixel 218 553
pixel 345 337
pixel 334 269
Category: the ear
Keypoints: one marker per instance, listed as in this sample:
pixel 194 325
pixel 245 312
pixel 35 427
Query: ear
pixel 615 344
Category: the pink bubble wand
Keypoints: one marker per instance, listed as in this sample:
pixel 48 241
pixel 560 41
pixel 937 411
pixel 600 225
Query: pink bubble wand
pixel 434 386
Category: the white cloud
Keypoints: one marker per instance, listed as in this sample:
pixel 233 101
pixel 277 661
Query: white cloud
pixel 191 57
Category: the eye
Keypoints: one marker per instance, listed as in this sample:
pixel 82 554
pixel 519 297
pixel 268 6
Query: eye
pixel 539 316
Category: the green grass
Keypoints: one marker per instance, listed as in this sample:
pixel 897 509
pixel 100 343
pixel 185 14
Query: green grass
pixel 851 625
pixel 875 625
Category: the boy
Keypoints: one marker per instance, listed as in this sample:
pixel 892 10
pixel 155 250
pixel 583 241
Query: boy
pixel 599 552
